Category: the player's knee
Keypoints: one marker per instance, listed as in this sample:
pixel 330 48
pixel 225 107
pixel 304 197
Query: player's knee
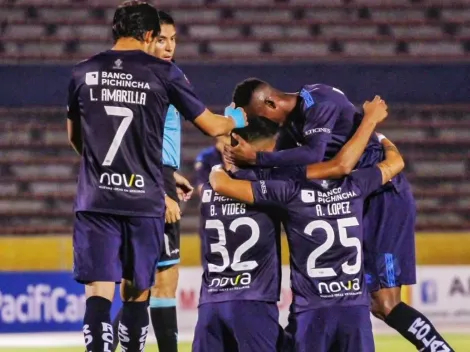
pixel 130 293
pixel 384 300
pixel 166 283
pixel 101 289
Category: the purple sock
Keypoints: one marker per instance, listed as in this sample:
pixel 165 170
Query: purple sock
pixel 97 326
pixel 134 326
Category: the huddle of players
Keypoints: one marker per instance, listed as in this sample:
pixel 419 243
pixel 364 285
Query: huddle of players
pixel 350 234
pixel 118 102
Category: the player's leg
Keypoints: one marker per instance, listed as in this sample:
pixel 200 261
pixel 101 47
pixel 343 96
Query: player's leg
pixel 390 263
pixel 163 293
pixel 96 244
pixel 354 331
pixel 315 330
pixel 142 246
pixel 208 335
pixel 254 324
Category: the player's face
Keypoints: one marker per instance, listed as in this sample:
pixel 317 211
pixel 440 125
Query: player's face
pixel 166 42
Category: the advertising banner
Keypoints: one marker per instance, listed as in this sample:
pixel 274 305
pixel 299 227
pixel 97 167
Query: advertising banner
pixel 36 302
pixel 53 301
pixel 442 293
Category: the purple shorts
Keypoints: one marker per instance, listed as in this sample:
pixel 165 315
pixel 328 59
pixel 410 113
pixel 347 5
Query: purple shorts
pixel 110 247
pixel 245 326
pixel 389 239
pixel 334 329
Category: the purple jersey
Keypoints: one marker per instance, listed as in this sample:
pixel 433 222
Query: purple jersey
pixel 205 160
pixel 321 123
pixel 324 230
pixel 121 99
pixel 240 245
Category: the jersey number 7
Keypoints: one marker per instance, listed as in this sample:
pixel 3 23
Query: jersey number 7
pixel 128 115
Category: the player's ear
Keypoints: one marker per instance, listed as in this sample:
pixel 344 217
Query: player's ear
pixel 270 103
pixel 149 37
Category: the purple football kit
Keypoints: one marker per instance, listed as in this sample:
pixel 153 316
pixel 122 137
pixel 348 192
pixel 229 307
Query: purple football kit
pixel 325 233
pixel 242 275
pixel 321 123
pixel 121 99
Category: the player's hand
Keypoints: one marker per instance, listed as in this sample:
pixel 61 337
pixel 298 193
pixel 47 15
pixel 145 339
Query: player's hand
pixel 172 211
pixel 238 115
pixel 183 187
pixel 242 153
pixel 376 109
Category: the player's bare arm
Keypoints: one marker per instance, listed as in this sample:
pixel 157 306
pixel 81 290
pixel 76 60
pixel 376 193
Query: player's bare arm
pixel 222 183
pixel 393 163
pixel 74 133
pixel 217 125
pixel 344 162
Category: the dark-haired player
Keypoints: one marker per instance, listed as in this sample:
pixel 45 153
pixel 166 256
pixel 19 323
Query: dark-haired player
pixel 325 232
pixel 316 122
pixel 240 251
pixel 241 280
pixel 163 293
pixel 117 103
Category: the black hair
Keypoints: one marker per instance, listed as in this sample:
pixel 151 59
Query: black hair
pixel 134 19
pixel 244 91
pixel 165 18
pixel 258 128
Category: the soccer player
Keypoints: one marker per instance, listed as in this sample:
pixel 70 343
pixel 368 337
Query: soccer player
pixel 117 103
pixel 241 280
pixel 237 310
pixel 316 122
pixel 325 233
pixel 163 293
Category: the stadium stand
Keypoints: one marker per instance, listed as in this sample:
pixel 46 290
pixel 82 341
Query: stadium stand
pixel 221 30
pixel 38 168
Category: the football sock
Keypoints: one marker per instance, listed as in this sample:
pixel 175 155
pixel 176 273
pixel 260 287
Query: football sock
pixel 116 321
pixel 416 328
pixel 97 327
pixel 164 321
pixel 134 326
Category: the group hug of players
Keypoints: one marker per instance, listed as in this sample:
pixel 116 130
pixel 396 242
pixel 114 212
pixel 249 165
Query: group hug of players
pixel 309 160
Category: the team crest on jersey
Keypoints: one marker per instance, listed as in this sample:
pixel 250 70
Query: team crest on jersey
pixel 118 64
pixel 307 196
pixel 325 184
pixel 206 196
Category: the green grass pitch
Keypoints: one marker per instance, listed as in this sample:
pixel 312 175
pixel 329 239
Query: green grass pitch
pixel 391 343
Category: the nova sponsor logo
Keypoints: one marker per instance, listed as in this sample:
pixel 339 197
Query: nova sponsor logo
pixel 340 288
pixel 229 283
pixel 114 180
pixel 41 303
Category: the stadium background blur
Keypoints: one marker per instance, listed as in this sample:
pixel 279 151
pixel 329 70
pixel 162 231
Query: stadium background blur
pixel 414 53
